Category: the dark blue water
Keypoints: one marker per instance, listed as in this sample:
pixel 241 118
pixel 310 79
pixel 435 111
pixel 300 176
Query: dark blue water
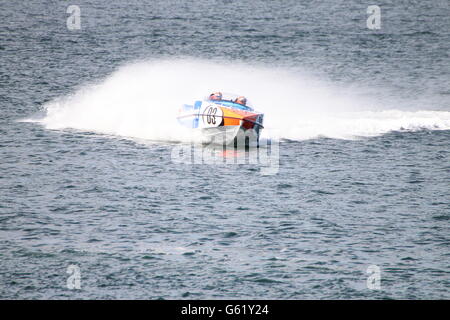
pixel 87 176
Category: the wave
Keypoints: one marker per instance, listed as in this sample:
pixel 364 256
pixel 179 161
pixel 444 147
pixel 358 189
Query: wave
pixel 140 100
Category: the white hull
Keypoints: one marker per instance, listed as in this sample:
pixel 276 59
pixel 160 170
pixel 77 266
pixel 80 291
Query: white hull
pixel 230 135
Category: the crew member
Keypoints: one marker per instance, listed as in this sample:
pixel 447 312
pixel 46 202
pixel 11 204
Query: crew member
pixel 241 100
pixel 215 96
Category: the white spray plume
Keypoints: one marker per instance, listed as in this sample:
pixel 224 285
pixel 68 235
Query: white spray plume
pixel 141 100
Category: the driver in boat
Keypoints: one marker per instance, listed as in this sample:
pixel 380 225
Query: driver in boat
pixel 216 96
pixel 241 100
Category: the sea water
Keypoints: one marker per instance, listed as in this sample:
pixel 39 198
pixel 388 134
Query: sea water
pixel 353 202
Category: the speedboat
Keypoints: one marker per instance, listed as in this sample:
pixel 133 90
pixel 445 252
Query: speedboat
pixel 223 120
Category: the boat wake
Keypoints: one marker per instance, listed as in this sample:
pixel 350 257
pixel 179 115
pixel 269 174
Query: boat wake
pixel 141 100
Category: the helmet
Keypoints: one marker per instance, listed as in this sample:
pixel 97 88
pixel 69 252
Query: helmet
pixel 215 96
pixel 241 100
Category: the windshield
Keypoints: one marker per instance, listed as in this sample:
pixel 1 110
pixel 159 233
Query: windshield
pixel 231 97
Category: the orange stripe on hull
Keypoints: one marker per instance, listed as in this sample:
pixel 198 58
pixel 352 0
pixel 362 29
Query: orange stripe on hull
pixel 234 118
pixel 249 124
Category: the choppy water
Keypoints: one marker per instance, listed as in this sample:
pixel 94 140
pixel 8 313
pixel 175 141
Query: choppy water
pixel 87 176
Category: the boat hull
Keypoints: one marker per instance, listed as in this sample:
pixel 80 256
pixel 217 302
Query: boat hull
pixel 222 124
